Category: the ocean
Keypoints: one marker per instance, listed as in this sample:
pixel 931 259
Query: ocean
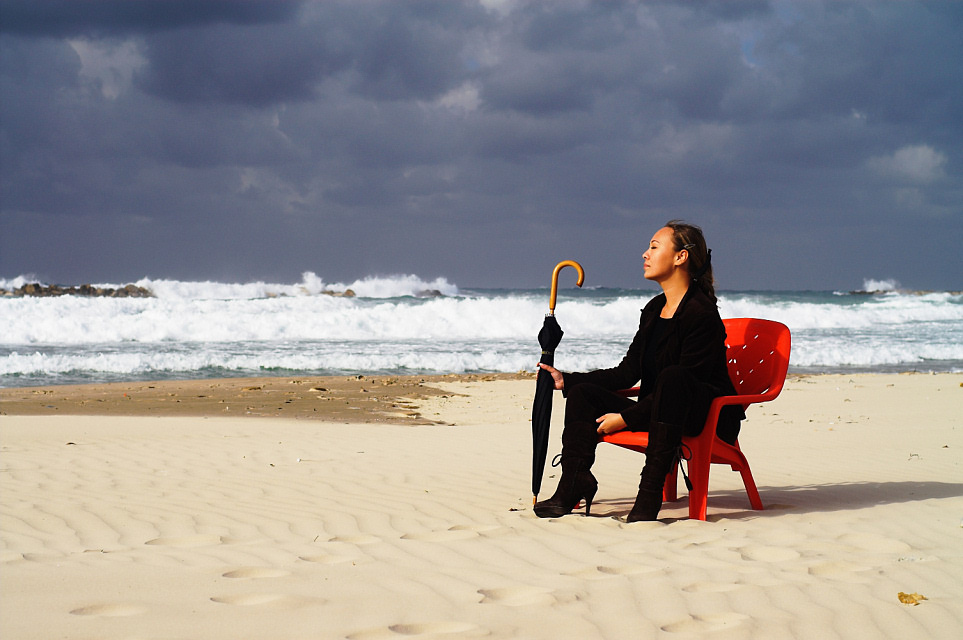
pixel 405 325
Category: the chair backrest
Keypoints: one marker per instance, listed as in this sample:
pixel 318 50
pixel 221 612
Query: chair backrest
pixel 757 352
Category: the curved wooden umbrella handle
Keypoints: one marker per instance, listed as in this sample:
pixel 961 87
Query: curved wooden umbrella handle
pixel 561 265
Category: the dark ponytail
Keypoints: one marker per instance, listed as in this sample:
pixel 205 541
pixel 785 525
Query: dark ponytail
pixel 689 237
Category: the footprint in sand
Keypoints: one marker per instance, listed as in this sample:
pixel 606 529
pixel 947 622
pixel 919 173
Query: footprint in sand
pixel 184 542
pixel 710 587
pixel 487 529
pixel 874 542
pixel 842 571
pixel 250 599
pixel 427 629
pixel 769 554
pixel 517 596
pixel 641 525
pixel 446 535
pixel 42 557
pixel 110 610
pixel 626 570
pixel 600 572
pixel 327 558
pixel 361 539
pixel 706 623
pixel 431 628
pixel 249 573
pixel 271 599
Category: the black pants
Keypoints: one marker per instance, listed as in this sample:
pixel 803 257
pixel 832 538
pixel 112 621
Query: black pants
pixel 678 399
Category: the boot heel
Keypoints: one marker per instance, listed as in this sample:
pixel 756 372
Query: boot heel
pixel 587 488
pixel 588 501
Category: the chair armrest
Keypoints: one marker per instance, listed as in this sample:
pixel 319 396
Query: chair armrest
pixel 746 400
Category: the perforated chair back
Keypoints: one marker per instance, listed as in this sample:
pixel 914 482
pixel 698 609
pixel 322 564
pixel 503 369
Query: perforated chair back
pixel 757 352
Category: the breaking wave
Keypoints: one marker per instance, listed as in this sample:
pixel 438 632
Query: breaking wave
pixel 405 324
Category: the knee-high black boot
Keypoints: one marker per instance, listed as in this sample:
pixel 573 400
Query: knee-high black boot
pixel 577 483
pixel 664 440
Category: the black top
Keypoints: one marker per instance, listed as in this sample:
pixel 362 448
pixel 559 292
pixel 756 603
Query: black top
pixel 693 338
pixel 650 367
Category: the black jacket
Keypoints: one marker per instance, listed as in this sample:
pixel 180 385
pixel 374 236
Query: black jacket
pixel 695 340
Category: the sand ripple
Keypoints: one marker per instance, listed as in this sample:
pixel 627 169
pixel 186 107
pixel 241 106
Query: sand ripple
pixel 210 528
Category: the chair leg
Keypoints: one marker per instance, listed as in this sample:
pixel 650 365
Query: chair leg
pixel 747 480
pixel 698 497
pixel 751 490
pixel 699 476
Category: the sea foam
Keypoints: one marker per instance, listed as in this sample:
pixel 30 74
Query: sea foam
pixel 406 324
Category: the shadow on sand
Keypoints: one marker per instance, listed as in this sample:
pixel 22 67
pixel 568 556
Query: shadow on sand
pixel 812 498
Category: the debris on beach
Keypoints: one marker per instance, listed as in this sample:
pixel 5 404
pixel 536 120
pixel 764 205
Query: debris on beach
pixel 911 598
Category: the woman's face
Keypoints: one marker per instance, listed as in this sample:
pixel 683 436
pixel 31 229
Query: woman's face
pixel 661 259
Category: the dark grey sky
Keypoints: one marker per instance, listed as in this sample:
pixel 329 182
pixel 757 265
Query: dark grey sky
pixel 817 143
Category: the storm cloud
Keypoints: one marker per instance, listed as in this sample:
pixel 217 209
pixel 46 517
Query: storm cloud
pixel 817 143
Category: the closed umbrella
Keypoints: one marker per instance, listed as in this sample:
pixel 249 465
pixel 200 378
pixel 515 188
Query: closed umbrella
pixel 548 337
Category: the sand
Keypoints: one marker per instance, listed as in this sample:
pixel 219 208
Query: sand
pixel 361 399
pixel 160 523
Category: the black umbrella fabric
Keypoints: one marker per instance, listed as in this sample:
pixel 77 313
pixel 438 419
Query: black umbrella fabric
pixel 549 338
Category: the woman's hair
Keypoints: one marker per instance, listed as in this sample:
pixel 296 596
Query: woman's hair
pixel 689 237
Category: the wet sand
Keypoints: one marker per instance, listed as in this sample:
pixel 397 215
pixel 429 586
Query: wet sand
pixel 361 399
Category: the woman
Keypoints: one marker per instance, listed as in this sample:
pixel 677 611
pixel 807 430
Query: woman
pixel 679 355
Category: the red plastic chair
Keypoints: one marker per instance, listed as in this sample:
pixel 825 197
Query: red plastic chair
pixel 758 357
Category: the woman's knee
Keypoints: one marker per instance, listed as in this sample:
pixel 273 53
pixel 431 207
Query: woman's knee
pixel 581 398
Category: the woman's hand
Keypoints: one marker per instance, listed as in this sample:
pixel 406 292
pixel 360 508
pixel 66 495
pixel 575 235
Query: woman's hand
pixel 556 375
pixel 610 423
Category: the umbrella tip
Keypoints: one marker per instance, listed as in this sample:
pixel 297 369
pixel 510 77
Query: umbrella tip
pixel 534 498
